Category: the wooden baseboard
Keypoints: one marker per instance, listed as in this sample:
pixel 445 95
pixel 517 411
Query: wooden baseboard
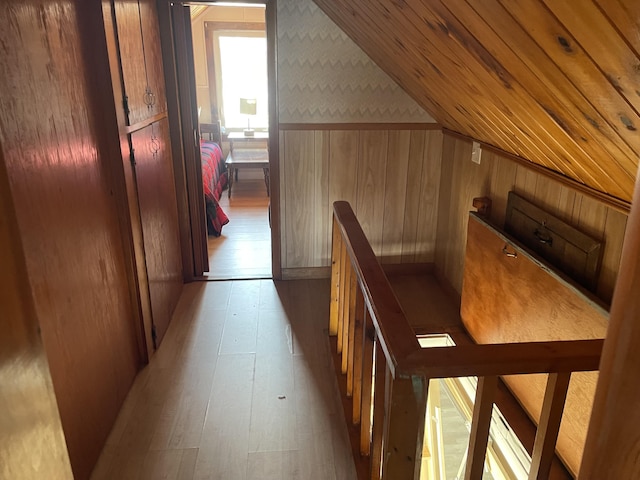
pixel 306 273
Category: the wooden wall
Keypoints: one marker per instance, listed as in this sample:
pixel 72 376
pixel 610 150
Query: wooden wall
pixel 462 180
pixel 390 175
pixel 32 445
pixel 555 82
pixel 60 142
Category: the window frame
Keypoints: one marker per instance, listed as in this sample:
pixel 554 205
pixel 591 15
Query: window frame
pixel 212 33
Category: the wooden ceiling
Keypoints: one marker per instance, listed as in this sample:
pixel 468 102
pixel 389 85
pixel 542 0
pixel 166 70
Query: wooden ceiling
pixel 556 82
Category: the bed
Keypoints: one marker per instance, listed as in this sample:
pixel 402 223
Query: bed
pixel 214 181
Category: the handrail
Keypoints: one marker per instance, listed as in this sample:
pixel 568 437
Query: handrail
pixel 396 336
pixel 366 317
pixel 504 359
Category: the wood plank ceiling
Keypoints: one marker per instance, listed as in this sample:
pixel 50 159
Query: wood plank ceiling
pixel 554 82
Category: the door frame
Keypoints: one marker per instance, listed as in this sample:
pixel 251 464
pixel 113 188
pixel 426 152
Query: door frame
pixel 182 107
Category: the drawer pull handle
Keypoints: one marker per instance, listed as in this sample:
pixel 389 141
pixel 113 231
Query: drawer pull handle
pixel 543 237
pixel 508 253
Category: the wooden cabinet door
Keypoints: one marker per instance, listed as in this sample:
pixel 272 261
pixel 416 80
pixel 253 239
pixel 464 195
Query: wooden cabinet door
pixel 159 218
pixel 140 58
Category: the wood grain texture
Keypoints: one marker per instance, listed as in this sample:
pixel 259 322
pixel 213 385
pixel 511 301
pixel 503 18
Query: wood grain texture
pixel 411 204
pixel 159 217
pixel 244 249
pixel 396 180
pixel 176 44
pixel 404 418
pixel 59 142
pixel 299 195
pixel 549 425
pixel 32 444
pixel 463 180
pixel 480 424
pixel 611 449
pixel 429 194
pixel 141 59
pixel 532 306
pixel 129 196
pixel 371 181
pixel 556 84
pixel 201 410
pixel 390 177
pixel 322 208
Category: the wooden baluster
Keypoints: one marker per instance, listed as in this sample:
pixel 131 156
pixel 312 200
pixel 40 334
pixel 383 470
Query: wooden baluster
pixel 367 384
pixel 480 423
pixel 346 307
pixel 341 293
pixel 336 249
pixel 549 425
pixel 379 400
pixel 405 427
pixel 358 336
pixel 353 292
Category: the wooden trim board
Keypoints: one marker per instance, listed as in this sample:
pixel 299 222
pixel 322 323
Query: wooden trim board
pixel 360 126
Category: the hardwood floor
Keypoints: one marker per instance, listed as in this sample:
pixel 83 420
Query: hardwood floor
pixel 244 248
pixel 241 388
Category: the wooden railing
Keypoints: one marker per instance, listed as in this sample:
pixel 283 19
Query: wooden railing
pixel 387 372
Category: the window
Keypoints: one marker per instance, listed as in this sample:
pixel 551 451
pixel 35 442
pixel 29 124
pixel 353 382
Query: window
pixel 241 61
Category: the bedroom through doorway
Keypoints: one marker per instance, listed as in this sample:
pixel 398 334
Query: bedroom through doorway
pixel 230 66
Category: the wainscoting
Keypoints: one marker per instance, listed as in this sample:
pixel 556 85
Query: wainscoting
pixel 390 175
pixel 462 180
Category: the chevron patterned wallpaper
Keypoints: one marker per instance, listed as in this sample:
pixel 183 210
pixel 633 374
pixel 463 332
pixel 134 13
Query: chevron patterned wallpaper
pixel 323 77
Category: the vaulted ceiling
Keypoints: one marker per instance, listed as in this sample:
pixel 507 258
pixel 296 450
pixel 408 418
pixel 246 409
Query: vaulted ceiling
pixel 556 82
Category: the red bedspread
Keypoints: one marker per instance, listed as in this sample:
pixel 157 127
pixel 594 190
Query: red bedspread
pixel 214 180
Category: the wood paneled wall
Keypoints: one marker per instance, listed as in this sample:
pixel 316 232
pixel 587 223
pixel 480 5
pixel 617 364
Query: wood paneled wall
pixel 31 445
pixel 551 81
pixel 60 143
pixel 462 180
pixel 389 175
pixel 613 435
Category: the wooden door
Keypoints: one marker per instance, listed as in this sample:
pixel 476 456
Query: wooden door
pixel 159 218
pixel 60 149
pixel 188 106
pixel 141 59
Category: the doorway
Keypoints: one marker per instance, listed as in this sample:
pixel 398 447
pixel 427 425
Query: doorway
pixel 248 246
pixel 230 66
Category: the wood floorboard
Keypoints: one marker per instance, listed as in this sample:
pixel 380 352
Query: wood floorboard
pixel 242 387
pixel 243 250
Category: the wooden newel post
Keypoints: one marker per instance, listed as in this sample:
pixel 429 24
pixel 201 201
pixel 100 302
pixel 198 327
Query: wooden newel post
pixel 407 403
pixel 612 449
